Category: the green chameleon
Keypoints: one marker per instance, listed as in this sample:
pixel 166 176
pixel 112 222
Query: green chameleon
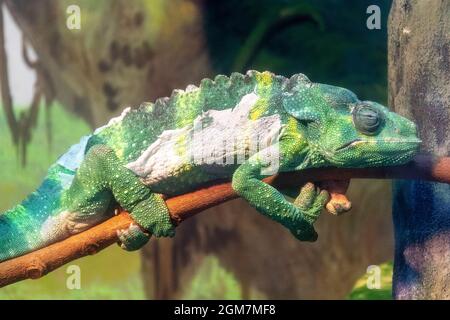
pixel 242 127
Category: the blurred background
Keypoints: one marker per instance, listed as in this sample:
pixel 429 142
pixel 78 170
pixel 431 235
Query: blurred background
pixel 59 82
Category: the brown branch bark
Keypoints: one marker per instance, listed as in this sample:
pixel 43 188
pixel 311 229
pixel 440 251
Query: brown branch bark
pixel 38 263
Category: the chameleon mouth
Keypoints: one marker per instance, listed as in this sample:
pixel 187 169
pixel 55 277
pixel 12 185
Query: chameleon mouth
pixel 348 144
pixel 393 140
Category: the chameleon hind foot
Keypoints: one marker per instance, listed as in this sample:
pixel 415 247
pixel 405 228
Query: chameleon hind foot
pixel 151 215
pixel 132 238
pixel 310 201
pixel 154 216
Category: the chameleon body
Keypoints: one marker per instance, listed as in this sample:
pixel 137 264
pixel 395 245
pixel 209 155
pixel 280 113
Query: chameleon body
pixel 242 127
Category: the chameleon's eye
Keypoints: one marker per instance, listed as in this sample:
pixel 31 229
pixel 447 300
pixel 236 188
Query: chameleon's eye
pixel 367 119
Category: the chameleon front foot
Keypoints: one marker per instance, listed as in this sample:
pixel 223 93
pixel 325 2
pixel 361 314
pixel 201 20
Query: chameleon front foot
pixel 310 203
pixel 132 238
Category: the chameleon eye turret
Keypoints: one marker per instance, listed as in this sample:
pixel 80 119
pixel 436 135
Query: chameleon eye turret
pixel 367 119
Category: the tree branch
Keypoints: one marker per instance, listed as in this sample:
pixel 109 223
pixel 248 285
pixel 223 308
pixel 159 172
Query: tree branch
pixel 38 263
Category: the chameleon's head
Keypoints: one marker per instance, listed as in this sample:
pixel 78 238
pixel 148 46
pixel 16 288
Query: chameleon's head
pixel 341 130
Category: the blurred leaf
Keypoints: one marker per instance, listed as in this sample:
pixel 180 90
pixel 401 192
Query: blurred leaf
pixel 361 292
pixel 272 22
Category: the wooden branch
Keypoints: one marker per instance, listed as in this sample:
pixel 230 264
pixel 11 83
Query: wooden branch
pixel 38 263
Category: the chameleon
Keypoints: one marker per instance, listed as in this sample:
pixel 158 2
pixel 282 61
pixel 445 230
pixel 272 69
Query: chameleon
pixel 241 127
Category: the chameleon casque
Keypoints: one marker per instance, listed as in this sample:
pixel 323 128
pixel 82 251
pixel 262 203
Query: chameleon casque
pixel 172 146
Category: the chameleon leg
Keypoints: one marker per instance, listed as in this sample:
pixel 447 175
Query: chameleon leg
pixel 298 218
pixel 101 176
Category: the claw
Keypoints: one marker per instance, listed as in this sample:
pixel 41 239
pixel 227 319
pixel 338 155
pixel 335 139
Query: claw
pixel 132 238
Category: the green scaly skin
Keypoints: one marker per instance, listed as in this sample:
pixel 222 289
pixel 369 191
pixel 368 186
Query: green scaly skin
pixel 175 145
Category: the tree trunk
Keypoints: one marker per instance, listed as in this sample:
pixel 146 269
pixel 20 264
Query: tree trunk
pixel 419 78
pixel 126 52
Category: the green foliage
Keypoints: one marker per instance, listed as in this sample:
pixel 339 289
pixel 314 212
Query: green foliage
pixel 331 44
pixel 361 292
pixel 213 282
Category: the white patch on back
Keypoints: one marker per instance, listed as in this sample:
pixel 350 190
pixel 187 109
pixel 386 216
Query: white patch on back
pixel 66 180
pixel 216 137
pixel 73 158
pixel 161 157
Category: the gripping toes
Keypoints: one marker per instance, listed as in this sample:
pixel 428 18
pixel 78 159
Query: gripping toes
pixel 132 238
pixel 153 215
pixel 310 203
pixel 311 200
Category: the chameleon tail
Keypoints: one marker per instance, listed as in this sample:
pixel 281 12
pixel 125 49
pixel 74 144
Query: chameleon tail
pixel 21 228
